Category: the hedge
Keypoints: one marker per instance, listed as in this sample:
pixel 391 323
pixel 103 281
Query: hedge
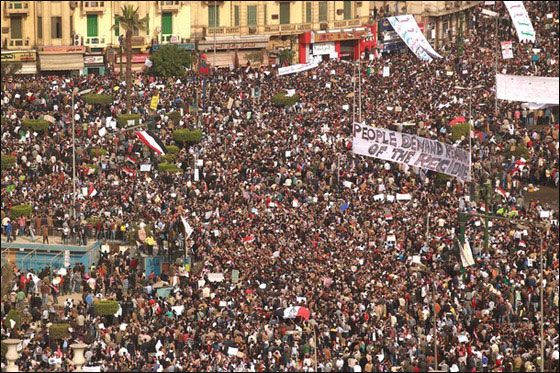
pixel 280 99
pixel 95 99
pixel 172 149
pixel 36 125
pixel 97 151
pixel 442 179
pixel 123 119
pixel 519 152
pixel 59 331
pixel 13 315
pixel 168 167
pixel 174 116
pixel 460 130
pixel 105 307
pixel 188 137
pixel 20 210
pixel 8 161
pixel 169 158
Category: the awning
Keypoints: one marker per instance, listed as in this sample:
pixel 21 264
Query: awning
pixel 28 68
pixel 68 61
pixel 223 59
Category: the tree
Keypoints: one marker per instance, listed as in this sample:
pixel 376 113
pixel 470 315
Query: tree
pixel 130 21
pixel 7 277
pixel 170 61
pixel 10 68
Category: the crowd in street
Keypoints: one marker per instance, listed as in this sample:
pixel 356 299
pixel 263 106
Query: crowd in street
pixel 279 196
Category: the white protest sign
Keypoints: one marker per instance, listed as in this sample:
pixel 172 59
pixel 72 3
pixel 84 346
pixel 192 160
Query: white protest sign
pixel 386 71
pixel 521 20
pixel 296 68
pixel 411 150
pixel 216 277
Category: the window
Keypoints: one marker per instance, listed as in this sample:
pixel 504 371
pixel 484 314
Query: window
pixel 265 15
pixel 116 25
pixel 40 27
pixel 166 23
pixel 56 27
pixel 92 25
pixel 347 10
pixel 251 15
pixel 213 16
pixel 15 28
pixel 236 15
pixel 284 13
pixel 323 6
pixel 308 12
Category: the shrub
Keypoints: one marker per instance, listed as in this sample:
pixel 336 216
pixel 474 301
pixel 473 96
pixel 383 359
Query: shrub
pixel 519 152
pixel 13 315
pixel 174 116
pixel 172 149
pixel 95 99
pixel 105 307
pixel 20 210
pixel 8 161
pixel 460 130
pixel 280 99
pixel 168 167
pixel 123 119
pixel 97 151
pixel 169 158
pixel 187 137
pixel 93 220
pixel 59 331
pixel 35 125
pixel 442 179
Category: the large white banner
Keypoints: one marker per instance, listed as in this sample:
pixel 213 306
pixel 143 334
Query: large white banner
pixel 521 20
pixel 297 68
pixel 411 150
pixel 537 89
pixel 407 28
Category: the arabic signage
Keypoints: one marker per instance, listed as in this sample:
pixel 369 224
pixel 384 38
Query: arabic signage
pixel 184 46
pixel 19 57
pixel 93 60
pixel 208 44
pixel 62 50
pixel 337 36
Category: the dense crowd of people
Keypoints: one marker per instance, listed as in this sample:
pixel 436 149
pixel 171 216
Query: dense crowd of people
pixel 279 196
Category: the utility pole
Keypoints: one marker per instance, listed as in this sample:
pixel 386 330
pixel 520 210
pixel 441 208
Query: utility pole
pixel 73 156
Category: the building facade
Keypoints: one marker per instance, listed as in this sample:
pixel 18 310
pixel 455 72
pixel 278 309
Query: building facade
pixel 83 37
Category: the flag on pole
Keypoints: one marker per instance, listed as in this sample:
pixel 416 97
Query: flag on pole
pixel 152 141
pixel 501 192
pixel 128 171
pixel 131 159
pixel 522 244
pixel 248 239
pixel 92 192
pixel 294 312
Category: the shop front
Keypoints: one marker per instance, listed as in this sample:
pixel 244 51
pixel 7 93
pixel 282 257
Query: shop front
pixel 94 64
pixel 345 44
pixel 232 51
pixel 61 60
pixel 28 60
pixel 138 62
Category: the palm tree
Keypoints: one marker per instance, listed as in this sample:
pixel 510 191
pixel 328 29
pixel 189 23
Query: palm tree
pixel 130 21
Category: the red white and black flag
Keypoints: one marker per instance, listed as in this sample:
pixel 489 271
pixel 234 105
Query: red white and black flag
pixel 152 141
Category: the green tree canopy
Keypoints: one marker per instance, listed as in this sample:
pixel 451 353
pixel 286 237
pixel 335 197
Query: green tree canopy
pixel 170 61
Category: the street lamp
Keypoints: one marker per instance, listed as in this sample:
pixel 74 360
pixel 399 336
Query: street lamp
pixel 74 92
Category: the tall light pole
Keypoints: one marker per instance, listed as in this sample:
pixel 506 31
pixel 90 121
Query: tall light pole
pixel 74 91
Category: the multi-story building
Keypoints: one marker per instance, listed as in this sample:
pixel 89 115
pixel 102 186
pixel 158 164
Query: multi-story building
pixel 84 36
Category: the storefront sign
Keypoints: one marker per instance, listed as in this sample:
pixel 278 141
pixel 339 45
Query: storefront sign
pixel 19 56
pixel 323 48
pixel 62 50
pixel 337 36
pixel 136 58
pixel 207 45
pixel 93 60
pixel 184 46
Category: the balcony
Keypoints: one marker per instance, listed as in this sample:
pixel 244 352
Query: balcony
pixel 93 6
pixel 14 43
pixel 165 39
pixel 16 7
pixel 348 22
pixel 168 6
pixel 95 41
pixel 222 30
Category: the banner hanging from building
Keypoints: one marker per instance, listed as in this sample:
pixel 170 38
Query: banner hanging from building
pixel 411 150
pixel 296 68
pixel 537 89
pixel 521 20
pixel 407 28
pixel 507 50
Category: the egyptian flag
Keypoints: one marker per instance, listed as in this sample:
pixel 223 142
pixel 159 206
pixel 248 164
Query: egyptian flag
pixel 99 91
pixel 128 171
pixel 293 312
pixel 501 192
pixel 457 120
pixel 131 159
pixel 203 68
pixel 92 192
pixel 152 141
pixel 522 244
pixel 483 207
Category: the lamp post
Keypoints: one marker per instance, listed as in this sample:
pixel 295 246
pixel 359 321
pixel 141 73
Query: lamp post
pixel 74 91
